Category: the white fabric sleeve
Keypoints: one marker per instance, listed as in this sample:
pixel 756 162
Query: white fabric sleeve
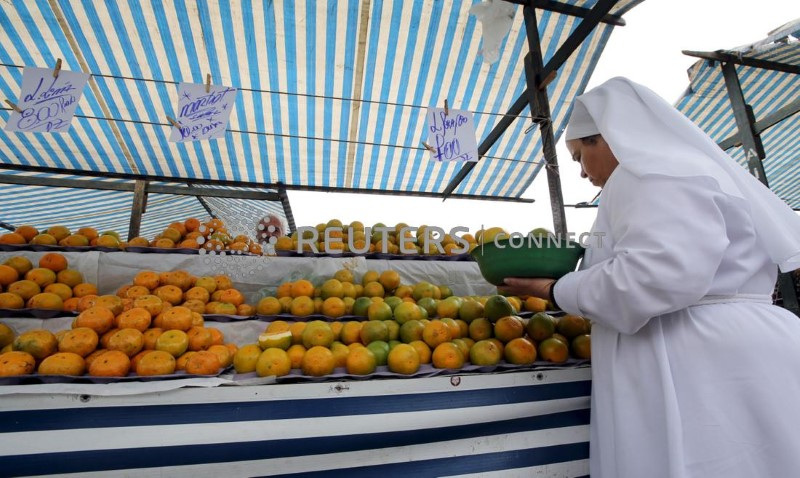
pixel 669 239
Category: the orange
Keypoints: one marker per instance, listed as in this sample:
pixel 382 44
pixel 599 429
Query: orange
pixel 268 306
pixel 8 275
pixel 333 307
pixel 71 304
pixel 370 276
pixel 180 362
pixel 86 301
pixel 582 347
pixel 373 289
pixel 38 342
pixel 318 361
pixel 360 361
pixel 84 289
pixel 53 261
pixel 195 306
pixel 332 288
pixel 19 263
pixel 296 353
pixel 6 335
pixel 197 293
pixel 521 351
pixel 435 333
pixel 44 240
pixel 374 330
pixel 284 290
pixel 301 288
pixel 136 291
pixel 273 362
pixel 110 302
pixel 63 363
pixel 485 352
pixel 89 233
pixel 480 329
pixel 297 329
pixel 179 318
pixel 554 350
pixel 245 359
pixel 463 346
pixel 390 280
pixel 12 238
pixel 150 303
pixel 191 224
pixel 302 306
pixel 403 359
pixel 10 300
pixel 111 363
pixel 336 327
pixel 344 275
pixel 16 363
pixel 217 338
pixel 93 356
pixel 351 332
pixel 571 326
pixel 223 353
pixel 41 276
pixel 317 332
pixel 411 331
pixel 277 326
pixel 155 362
pixel 175 342
pixel 107 240
pixel 27 232
pixel 139 242
pixel 535 304
pixel 59 232
pixel 508 328
pixel 202 363
pixel 128 341
pixel 231 296
pixel 199 338
pixel 147 279
pixel 447 355
pixel 122 292
pixel 455 329
pixel 80 340
pixel 46 300
pixel 340 352
pixel 150 336
pixel 197 320
pixel 223 282
pixel 169 293
pixel 423 351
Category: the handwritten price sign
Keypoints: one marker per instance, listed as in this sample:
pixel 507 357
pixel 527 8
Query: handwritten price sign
pixel 202 115
pixel 47 103
pixel 452 135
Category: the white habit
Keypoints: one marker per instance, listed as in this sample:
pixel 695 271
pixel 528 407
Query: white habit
pixel 694 372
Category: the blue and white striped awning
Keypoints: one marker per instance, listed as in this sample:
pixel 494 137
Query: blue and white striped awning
pixel 706 103
pixel 332 93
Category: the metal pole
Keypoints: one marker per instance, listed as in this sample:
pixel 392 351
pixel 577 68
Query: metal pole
pixel 137 209
pixel 539 105
pixel 754 151
pixel 287 209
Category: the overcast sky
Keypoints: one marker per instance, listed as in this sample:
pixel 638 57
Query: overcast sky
pixel 647 50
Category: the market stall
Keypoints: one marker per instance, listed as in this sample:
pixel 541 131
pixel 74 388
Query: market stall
pixel 116 169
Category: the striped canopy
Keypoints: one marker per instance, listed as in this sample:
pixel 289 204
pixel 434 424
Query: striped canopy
pixel 773 95
pixel 332 93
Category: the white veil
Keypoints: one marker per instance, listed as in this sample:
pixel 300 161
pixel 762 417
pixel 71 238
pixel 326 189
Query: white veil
pixel 648 136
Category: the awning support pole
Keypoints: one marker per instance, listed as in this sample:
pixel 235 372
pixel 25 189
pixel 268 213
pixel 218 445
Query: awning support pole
pixel 754 152
pixel 539 105
pixel 137 209
pixel 287 209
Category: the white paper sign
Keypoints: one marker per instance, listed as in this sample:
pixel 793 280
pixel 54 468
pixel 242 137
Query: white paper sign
pixel 47 103
pixel 452 135
pixel 202 115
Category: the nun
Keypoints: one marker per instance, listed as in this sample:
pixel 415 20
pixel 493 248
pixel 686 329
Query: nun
pixel 695 373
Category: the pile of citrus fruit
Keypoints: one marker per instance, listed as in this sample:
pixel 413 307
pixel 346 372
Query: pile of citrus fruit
pixel 408 326
pixel 52 285
pixel 211 235
pixel 204 295
pixel 107 341
pixel 62 236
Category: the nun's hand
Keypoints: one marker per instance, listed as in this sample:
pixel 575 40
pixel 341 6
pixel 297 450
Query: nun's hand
pixel 525 287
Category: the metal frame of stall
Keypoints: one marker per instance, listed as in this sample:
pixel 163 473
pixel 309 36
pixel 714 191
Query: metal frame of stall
pixel 749 132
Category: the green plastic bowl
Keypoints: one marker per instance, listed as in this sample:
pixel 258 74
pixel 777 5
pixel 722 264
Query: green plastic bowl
pixel 549 259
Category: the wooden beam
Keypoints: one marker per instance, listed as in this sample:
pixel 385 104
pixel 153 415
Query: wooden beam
pixel 567 9
pixel 743 60
pixel 137 208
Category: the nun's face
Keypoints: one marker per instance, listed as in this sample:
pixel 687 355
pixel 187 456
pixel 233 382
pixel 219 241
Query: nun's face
pixel 597 160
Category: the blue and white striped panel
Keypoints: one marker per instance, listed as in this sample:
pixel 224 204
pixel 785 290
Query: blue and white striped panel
pixel 512 424
pixel 416 53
